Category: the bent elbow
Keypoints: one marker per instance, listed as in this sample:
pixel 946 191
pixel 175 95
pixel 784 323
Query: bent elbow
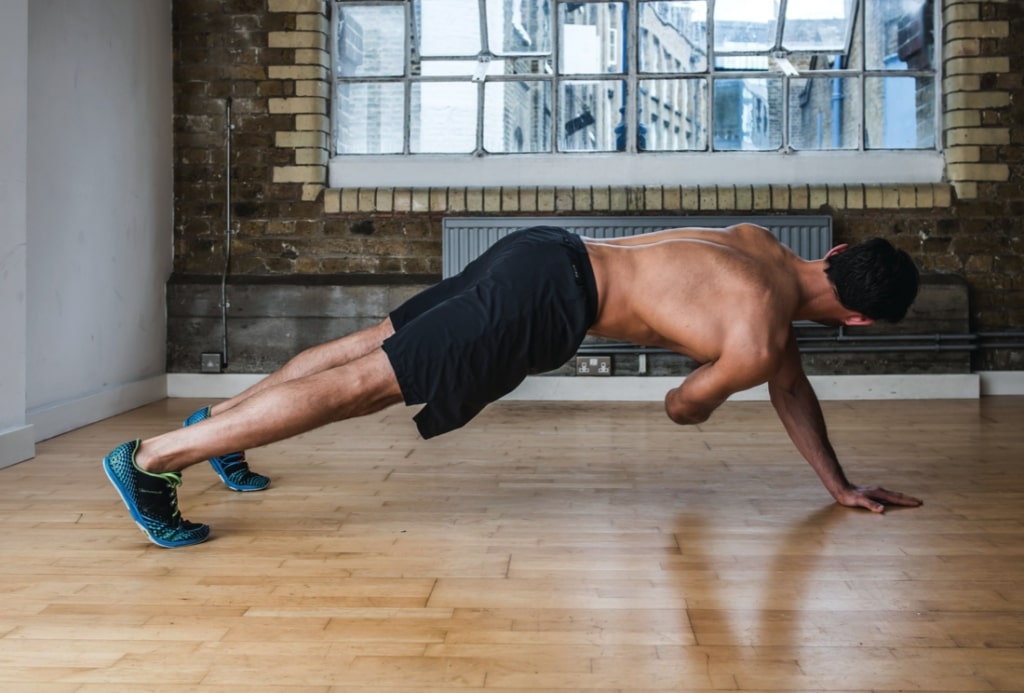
pixel 685 416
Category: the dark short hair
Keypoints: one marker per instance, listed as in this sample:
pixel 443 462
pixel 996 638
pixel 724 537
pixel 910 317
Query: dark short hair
pixel 874 279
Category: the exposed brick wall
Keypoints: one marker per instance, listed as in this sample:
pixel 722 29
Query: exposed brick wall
pixel 271 57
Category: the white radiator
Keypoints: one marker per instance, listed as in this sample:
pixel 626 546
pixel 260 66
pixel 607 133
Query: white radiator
pixel 465 238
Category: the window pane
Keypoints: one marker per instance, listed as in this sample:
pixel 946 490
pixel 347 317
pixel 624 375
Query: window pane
pixel 518 26
pixel 370 118
pixel 674 114
pixel 447 27
pixel 590 116
pixel 591 38
pixel 824 113
pixel 371 41
pixel 674 36
pixel 742 25
pixel 748 114
pixel 517 116
pixel 899 34
pixel 899 113
pixel 443 117
pixel 821 25
pixel 448 68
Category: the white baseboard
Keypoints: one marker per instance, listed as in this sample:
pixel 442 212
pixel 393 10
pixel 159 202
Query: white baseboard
pixel 1002 383
pixel 17 444
pixel 648 389
pixel 53 419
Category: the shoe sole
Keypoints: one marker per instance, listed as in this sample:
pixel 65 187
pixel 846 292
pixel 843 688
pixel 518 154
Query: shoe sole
pixel 137 516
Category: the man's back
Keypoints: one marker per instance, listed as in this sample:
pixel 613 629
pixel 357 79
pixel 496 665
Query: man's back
pixel 700 292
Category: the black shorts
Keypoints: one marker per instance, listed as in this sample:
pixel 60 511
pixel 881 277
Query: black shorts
pixel 524 306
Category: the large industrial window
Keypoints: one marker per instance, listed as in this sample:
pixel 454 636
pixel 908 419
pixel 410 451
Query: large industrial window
pixel 521 82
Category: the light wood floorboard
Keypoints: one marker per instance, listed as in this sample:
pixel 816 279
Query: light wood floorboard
pixel 546 547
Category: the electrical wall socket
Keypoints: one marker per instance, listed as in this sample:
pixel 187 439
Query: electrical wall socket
pixel 593 365
pixel 210 362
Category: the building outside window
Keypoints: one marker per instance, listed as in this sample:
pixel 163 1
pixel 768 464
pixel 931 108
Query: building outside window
pixel 656 84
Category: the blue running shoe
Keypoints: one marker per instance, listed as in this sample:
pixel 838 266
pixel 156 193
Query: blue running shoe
pixel 152 499
pixel 232 468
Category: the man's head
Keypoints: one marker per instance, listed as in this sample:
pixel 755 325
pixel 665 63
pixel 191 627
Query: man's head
pixel 873 278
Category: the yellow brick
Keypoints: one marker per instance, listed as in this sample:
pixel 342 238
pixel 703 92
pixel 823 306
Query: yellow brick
pixel 951 85
pixel 311 157
pixel 474 199
pixel 890 197
pixel 925 196
pixel 385 199
pixel 296 39
pixel 671 197
pixel 297 105
pixel 349 200
pixel 873 196
pixel 762 197
pixel 563 199
pixel 799 197
pixel 527 199
pixel 493 200
pixel 297 72
pixel 907 196
pixel 961 119
pixel 300 174
pixel 837 196
pixel 653 199
pixel 954 11
pixel 312 122
pixel 438 199
pixel 601 198
pixel 582 199
pixel 726 197
pixel 966 190
pixel 309 56
pixel 744 197
pixel 332 201
pixel 979 136
pixel 297 6
pixel 456 199
pixel 961 48
pixel 976 66
pixel 817 196
pixel 962 155
pixel 977 100
pixel 420 200
pixel 780 197
pixel 311 191
pixel 855 197
pixel 402 200
pixel 312 22
pixel 707 197
pixel 943 195
pixel 310 138
pixel 367 200
pixel 546 200
pixel 618 199
pixel 510 199
pixel 978 172
pixel 958 30
pixel 691 198
pixel 312 88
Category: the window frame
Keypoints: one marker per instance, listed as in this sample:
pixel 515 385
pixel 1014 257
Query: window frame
pixel 784 166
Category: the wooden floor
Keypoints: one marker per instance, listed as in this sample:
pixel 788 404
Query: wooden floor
pixel 546 547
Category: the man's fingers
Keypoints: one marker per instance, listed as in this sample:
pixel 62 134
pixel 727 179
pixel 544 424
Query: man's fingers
pixel 892 497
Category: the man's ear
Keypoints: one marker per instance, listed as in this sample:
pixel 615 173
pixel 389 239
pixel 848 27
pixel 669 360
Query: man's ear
pixel 858 320
pixel 836 250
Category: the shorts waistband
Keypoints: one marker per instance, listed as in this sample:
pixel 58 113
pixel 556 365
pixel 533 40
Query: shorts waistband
pixel 583 271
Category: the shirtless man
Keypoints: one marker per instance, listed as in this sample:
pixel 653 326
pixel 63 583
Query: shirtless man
pixel 725 298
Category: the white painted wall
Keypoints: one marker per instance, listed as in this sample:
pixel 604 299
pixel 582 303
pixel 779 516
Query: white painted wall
pixel 99 201
pixel 16 438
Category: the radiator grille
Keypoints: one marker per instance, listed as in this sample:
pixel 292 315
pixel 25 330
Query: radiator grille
pixel 465 238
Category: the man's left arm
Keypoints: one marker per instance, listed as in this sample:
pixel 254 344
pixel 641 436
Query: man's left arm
pixel 798 408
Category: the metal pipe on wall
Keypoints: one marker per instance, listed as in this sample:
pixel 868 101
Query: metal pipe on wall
pixel 227 235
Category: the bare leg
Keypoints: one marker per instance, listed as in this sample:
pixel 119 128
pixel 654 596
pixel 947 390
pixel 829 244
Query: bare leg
pixel 316 359
pixel 281 410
